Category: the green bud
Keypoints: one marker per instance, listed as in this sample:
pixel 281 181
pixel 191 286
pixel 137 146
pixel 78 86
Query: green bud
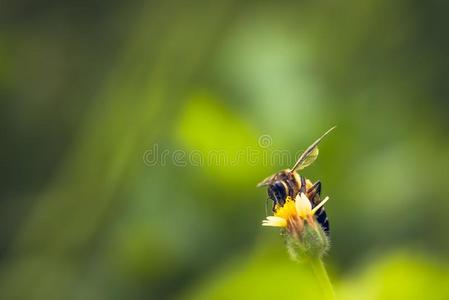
pixel 312 242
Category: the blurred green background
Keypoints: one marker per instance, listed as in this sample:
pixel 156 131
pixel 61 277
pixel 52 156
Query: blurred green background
pixel 88 88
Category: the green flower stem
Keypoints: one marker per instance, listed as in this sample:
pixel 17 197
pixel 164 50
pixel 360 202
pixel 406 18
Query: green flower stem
pixel 323 279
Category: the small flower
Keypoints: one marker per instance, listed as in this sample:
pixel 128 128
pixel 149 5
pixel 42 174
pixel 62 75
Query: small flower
pixel 293 211
pixel 304 236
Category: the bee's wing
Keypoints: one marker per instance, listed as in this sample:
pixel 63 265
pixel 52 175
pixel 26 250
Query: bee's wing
pixel 306 159
pixel 310 155
pixel 266 181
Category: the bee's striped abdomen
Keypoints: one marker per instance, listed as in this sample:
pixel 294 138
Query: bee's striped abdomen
pixel 314 193
pixel 321 217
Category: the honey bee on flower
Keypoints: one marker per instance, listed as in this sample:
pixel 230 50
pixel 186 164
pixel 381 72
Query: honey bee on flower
pixel 288 184
pixel 298 208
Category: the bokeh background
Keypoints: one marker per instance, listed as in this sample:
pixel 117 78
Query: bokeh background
pixel 88 88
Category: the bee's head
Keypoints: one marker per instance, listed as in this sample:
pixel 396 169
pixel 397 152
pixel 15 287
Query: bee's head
pixel 277 191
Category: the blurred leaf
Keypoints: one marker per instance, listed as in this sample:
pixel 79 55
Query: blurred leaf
pixel 398 276
pixel 222 138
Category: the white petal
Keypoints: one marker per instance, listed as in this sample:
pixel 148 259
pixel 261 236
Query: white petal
pixel 274 221
pixel 303 205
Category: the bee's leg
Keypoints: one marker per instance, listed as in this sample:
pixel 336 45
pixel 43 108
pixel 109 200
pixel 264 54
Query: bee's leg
pixel 266 206
pixel 314 194
pixel 302 189
pixel 314 191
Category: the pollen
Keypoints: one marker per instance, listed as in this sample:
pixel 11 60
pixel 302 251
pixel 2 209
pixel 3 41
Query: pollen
pixel 287 211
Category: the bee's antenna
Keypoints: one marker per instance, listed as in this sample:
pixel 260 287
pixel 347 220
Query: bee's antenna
pixel 266 207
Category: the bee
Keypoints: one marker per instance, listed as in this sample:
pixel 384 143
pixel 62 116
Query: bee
pixel 288 183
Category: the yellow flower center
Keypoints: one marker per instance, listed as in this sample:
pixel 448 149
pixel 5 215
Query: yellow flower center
pixel 293 213
pixel 287 211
